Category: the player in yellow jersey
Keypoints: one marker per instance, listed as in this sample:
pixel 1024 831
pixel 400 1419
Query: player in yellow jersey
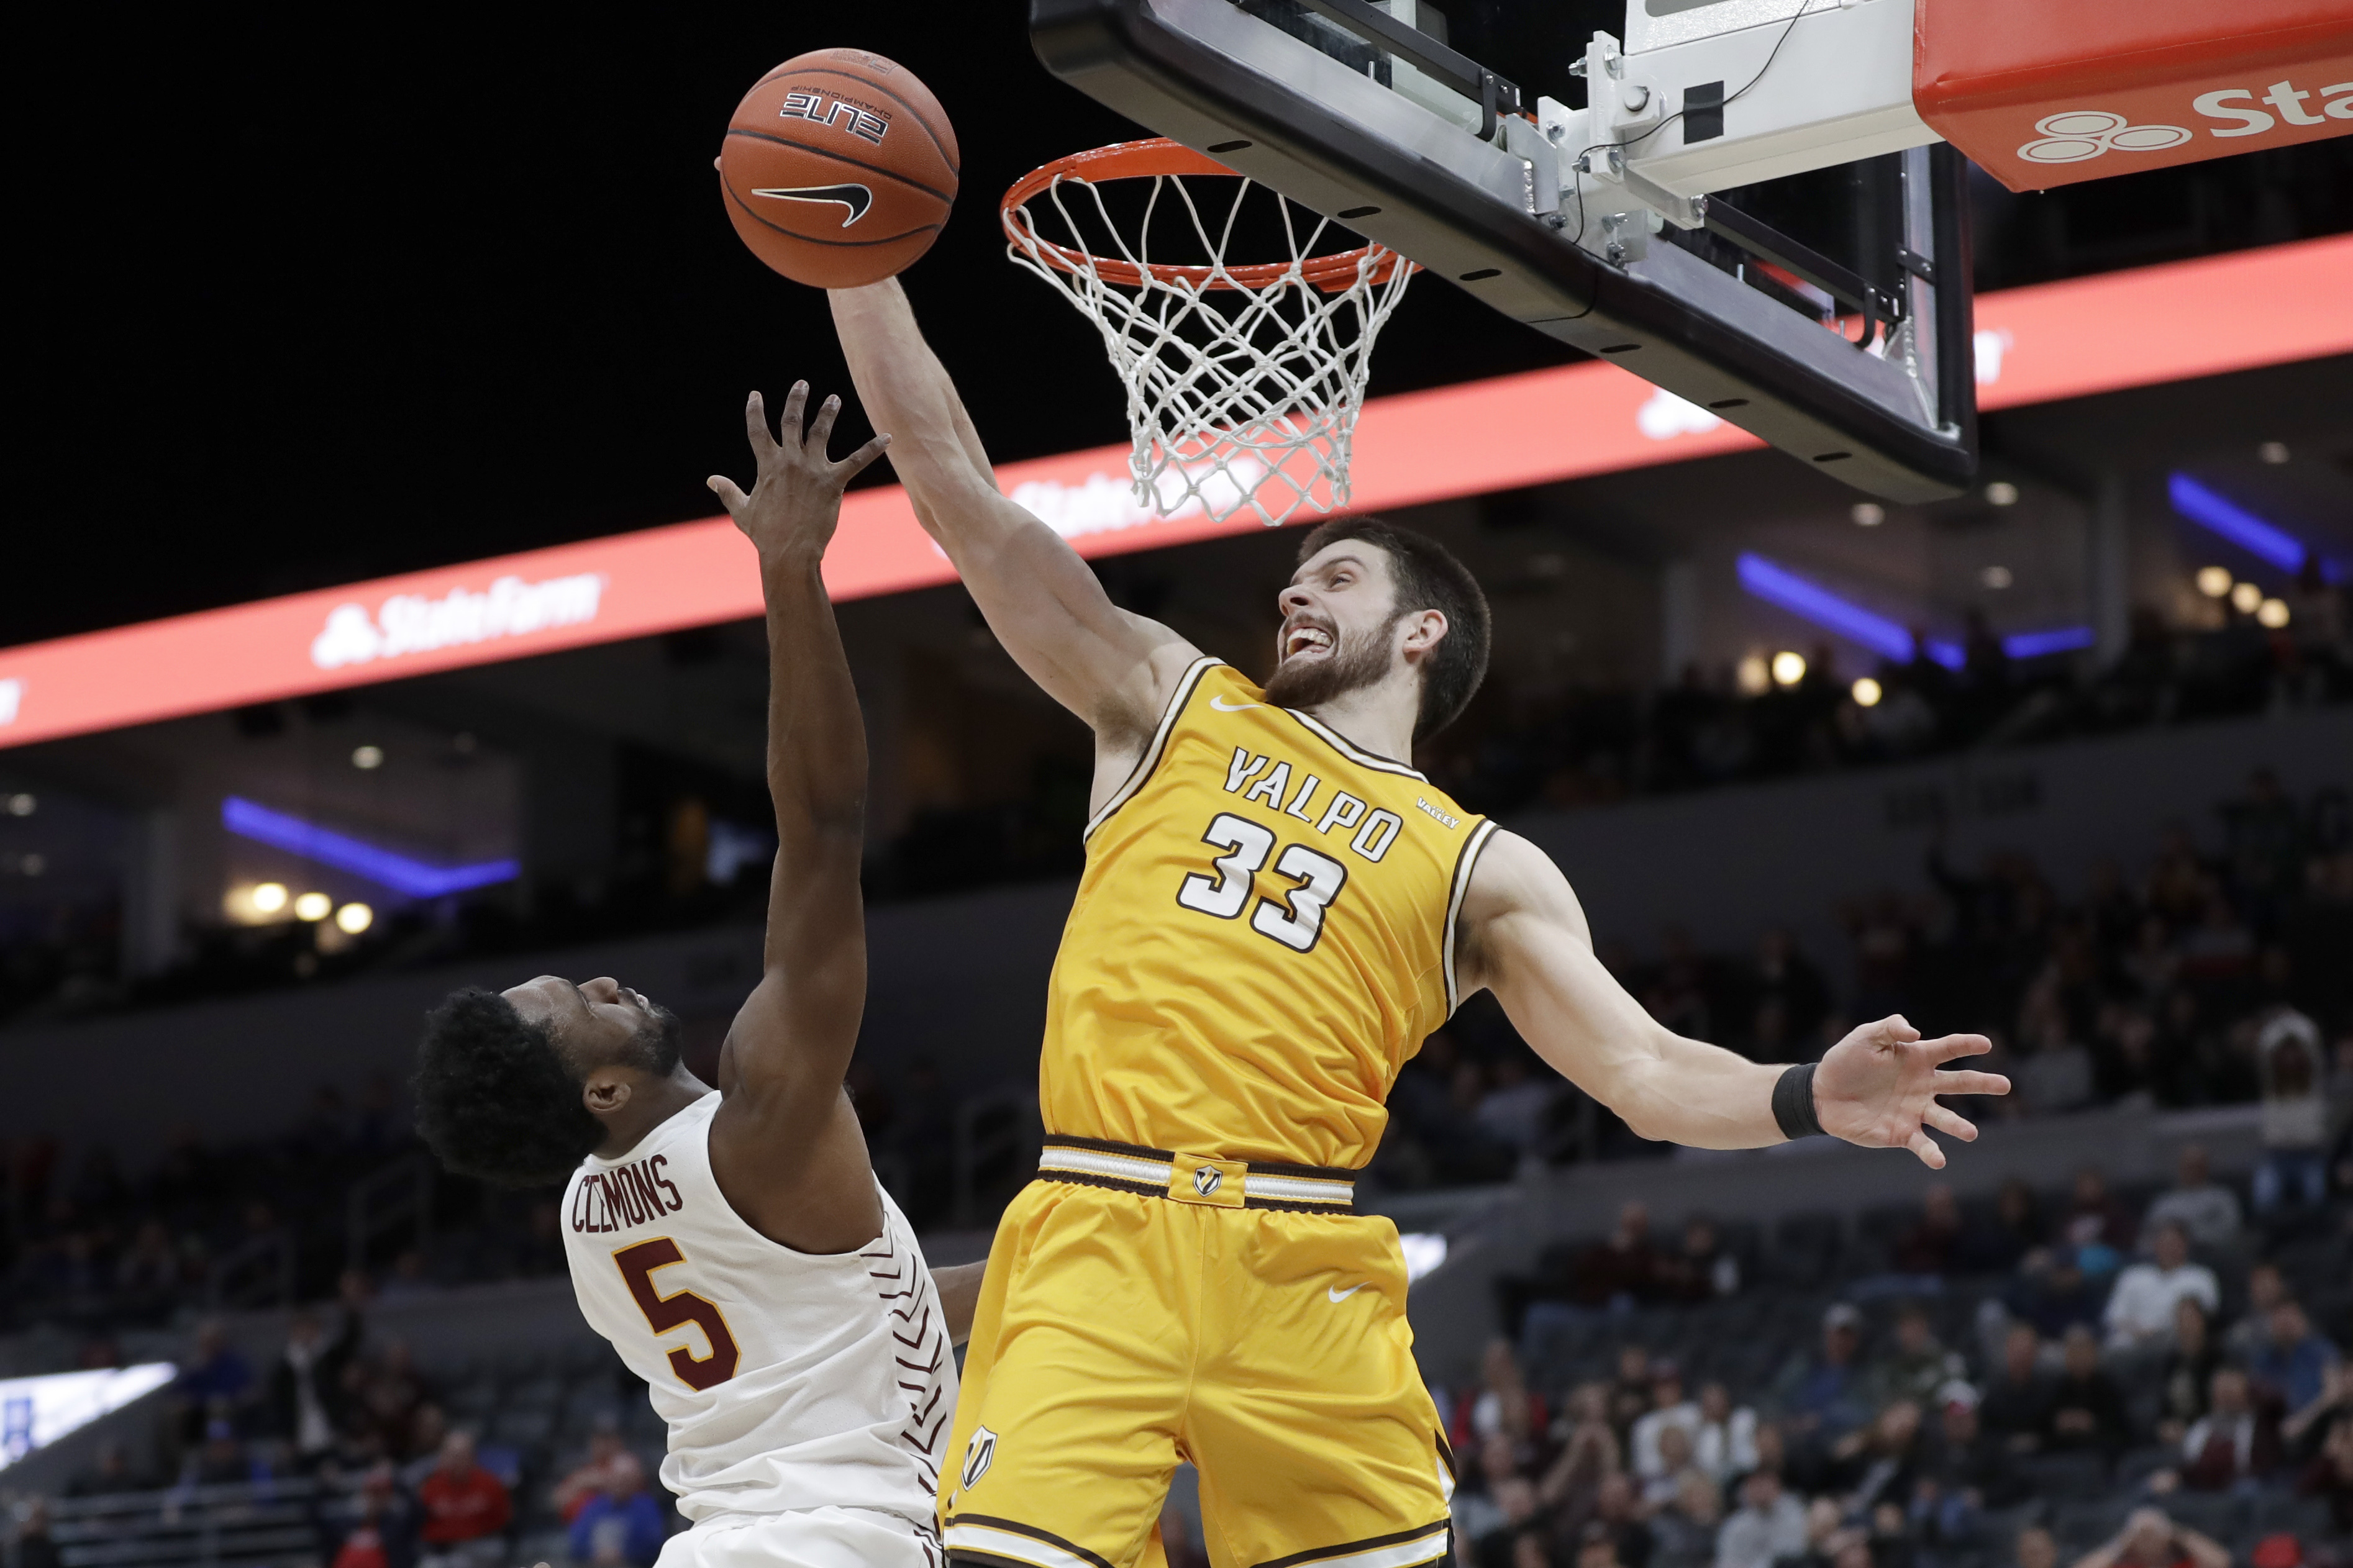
pixel 1276 911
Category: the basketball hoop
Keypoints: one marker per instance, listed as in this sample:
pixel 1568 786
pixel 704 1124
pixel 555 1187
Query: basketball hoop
pixel 1244 381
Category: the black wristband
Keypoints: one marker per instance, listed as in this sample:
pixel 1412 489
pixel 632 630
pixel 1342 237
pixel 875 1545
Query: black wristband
pixel 1793 1102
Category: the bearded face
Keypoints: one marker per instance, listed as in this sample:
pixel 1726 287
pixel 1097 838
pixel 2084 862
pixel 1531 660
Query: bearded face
pixel 1320 662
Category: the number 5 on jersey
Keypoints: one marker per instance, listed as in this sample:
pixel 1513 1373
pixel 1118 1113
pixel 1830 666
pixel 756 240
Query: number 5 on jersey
pixel 666 1314
pixel 1298 918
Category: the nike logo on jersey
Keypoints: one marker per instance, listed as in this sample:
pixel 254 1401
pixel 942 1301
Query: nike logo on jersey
pixel 1222 706
pixel 1336 1295
pixel 855 199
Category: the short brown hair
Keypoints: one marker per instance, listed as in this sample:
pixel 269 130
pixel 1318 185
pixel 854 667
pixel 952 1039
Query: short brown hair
pixel 1428 577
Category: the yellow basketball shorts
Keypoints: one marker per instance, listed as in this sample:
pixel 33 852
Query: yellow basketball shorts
pixel 1119 1333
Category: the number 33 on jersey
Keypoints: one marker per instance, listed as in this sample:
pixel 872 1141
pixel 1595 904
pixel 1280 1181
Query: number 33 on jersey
pixel 1264 935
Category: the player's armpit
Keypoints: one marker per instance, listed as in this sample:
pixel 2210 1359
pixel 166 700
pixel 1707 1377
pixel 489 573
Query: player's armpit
pixel 1525 937
pixel 959 1289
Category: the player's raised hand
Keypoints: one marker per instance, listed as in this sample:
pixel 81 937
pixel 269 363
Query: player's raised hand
pixel 796 496
pixel 1878 1088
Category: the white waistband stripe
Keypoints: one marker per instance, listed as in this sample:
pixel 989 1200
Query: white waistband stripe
pixel 1160 1173
pixel 1020 1548
pixel 1298 1189
pixel 1095 1163
pixel 1427 1548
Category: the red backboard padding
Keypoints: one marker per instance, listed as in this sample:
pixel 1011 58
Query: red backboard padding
pixel 2049 92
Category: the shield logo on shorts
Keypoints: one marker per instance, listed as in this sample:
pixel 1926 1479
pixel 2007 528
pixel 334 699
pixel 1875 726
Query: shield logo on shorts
pixel 978 1453
pixel 1207 1180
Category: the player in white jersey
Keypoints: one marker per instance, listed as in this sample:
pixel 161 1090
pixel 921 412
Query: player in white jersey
pixel 734 1247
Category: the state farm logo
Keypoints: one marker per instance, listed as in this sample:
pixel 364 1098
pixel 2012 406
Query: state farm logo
pixel 2082 133
pixel 411 623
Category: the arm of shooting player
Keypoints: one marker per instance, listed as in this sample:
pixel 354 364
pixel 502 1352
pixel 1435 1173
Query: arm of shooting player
pixel 1113 668
pixel 785 1144
pixel 1523 936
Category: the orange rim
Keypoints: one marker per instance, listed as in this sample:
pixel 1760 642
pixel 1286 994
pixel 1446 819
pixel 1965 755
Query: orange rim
pixel 1151 160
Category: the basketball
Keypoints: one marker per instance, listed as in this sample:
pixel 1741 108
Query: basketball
pixel 838 168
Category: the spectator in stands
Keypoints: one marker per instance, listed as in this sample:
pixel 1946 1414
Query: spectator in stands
pixel 147 1274
pixel 2294 1361
pixel 623 1524
pixel 2151 1540
pixel 1703 1269
pixel 2087 1408
pixel 587 1478
pixel 1590 1451
pixel 2330 1474
pixel 2295 1126
pixel 1965 1461
pixel 375 1527
pixel 2096 1220
pixel 1768 1525
pixel 1504 1408
pixel 1725 1443
pixel 1618 1510
pixel 1824 1394
pixel 34 1549
pixel 1516 1109
pixel 1684 1530
pixel 2187 1371
pixel 221 1459
pixel 466 1509
pixel 1915 1366
pixel 2201 1205
pixel 1927 1245
pixel 2140 1314
pixel 1997 1246
pixel 1621 1271
pixel 2034 1548
pixel 1629 1393
pixel 391 1391
pixel 1669 1409
pixel 1674 1458
pixel 1880 1463
pixel 216 1383
pixel 2236 1441
pixel 2307 1424
pixel 307 1391
pixel 428 1430
pixel 2266 1288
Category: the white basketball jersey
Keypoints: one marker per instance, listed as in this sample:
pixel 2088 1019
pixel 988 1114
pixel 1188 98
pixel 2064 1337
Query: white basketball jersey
pixel 790 1380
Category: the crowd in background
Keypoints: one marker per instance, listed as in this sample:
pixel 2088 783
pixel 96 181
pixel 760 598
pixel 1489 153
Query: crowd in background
pixel 2206 975
pixel 2037 1379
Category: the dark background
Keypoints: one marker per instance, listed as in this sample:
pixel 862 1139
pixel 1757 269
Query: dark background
pixel 299 306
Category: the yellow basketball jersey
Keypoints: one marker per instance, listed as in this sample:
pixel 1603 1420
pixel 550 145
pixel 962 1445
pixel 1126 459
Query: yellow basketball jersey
pixel 1264 934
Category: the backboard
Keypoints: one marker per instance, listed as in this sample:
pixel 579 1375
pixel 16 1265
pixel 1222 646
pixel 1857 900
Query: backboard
pixel 1595 225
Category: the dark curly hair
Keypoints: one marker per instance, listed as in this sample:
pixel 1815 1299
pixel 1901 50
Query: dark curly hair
pixel 494 1099
pixel 1428 577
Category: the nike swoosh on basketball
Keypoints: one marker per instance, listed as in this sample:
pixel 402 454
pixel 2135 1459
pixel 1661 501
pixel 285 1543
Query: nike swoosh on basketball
pixel 857 198
pixel 1222 706
pixel 1332 1291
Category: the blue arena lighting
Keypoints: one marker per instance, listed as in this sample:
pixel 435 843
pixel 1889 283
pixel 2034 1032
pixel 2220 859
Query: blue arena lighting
pixel 1776 584
pixel 2058 639
pixel 2221 514
pixel 383 867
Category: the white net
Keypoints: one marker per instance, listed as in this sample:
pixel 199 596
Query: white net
pixel 1244 382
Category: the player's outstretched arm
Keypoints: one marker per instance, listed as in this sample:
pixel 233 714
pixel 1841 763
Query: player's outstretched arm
pixel 1525 937
pixel 1113 668
pixel 785 1145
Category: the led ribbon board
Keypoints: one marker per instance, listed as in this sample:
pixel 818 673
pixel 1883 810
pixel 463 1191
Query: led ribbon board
pixel 2032 345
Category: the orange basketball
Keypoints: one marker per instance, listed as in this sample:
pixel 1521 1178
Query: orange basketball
pixel 838 168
